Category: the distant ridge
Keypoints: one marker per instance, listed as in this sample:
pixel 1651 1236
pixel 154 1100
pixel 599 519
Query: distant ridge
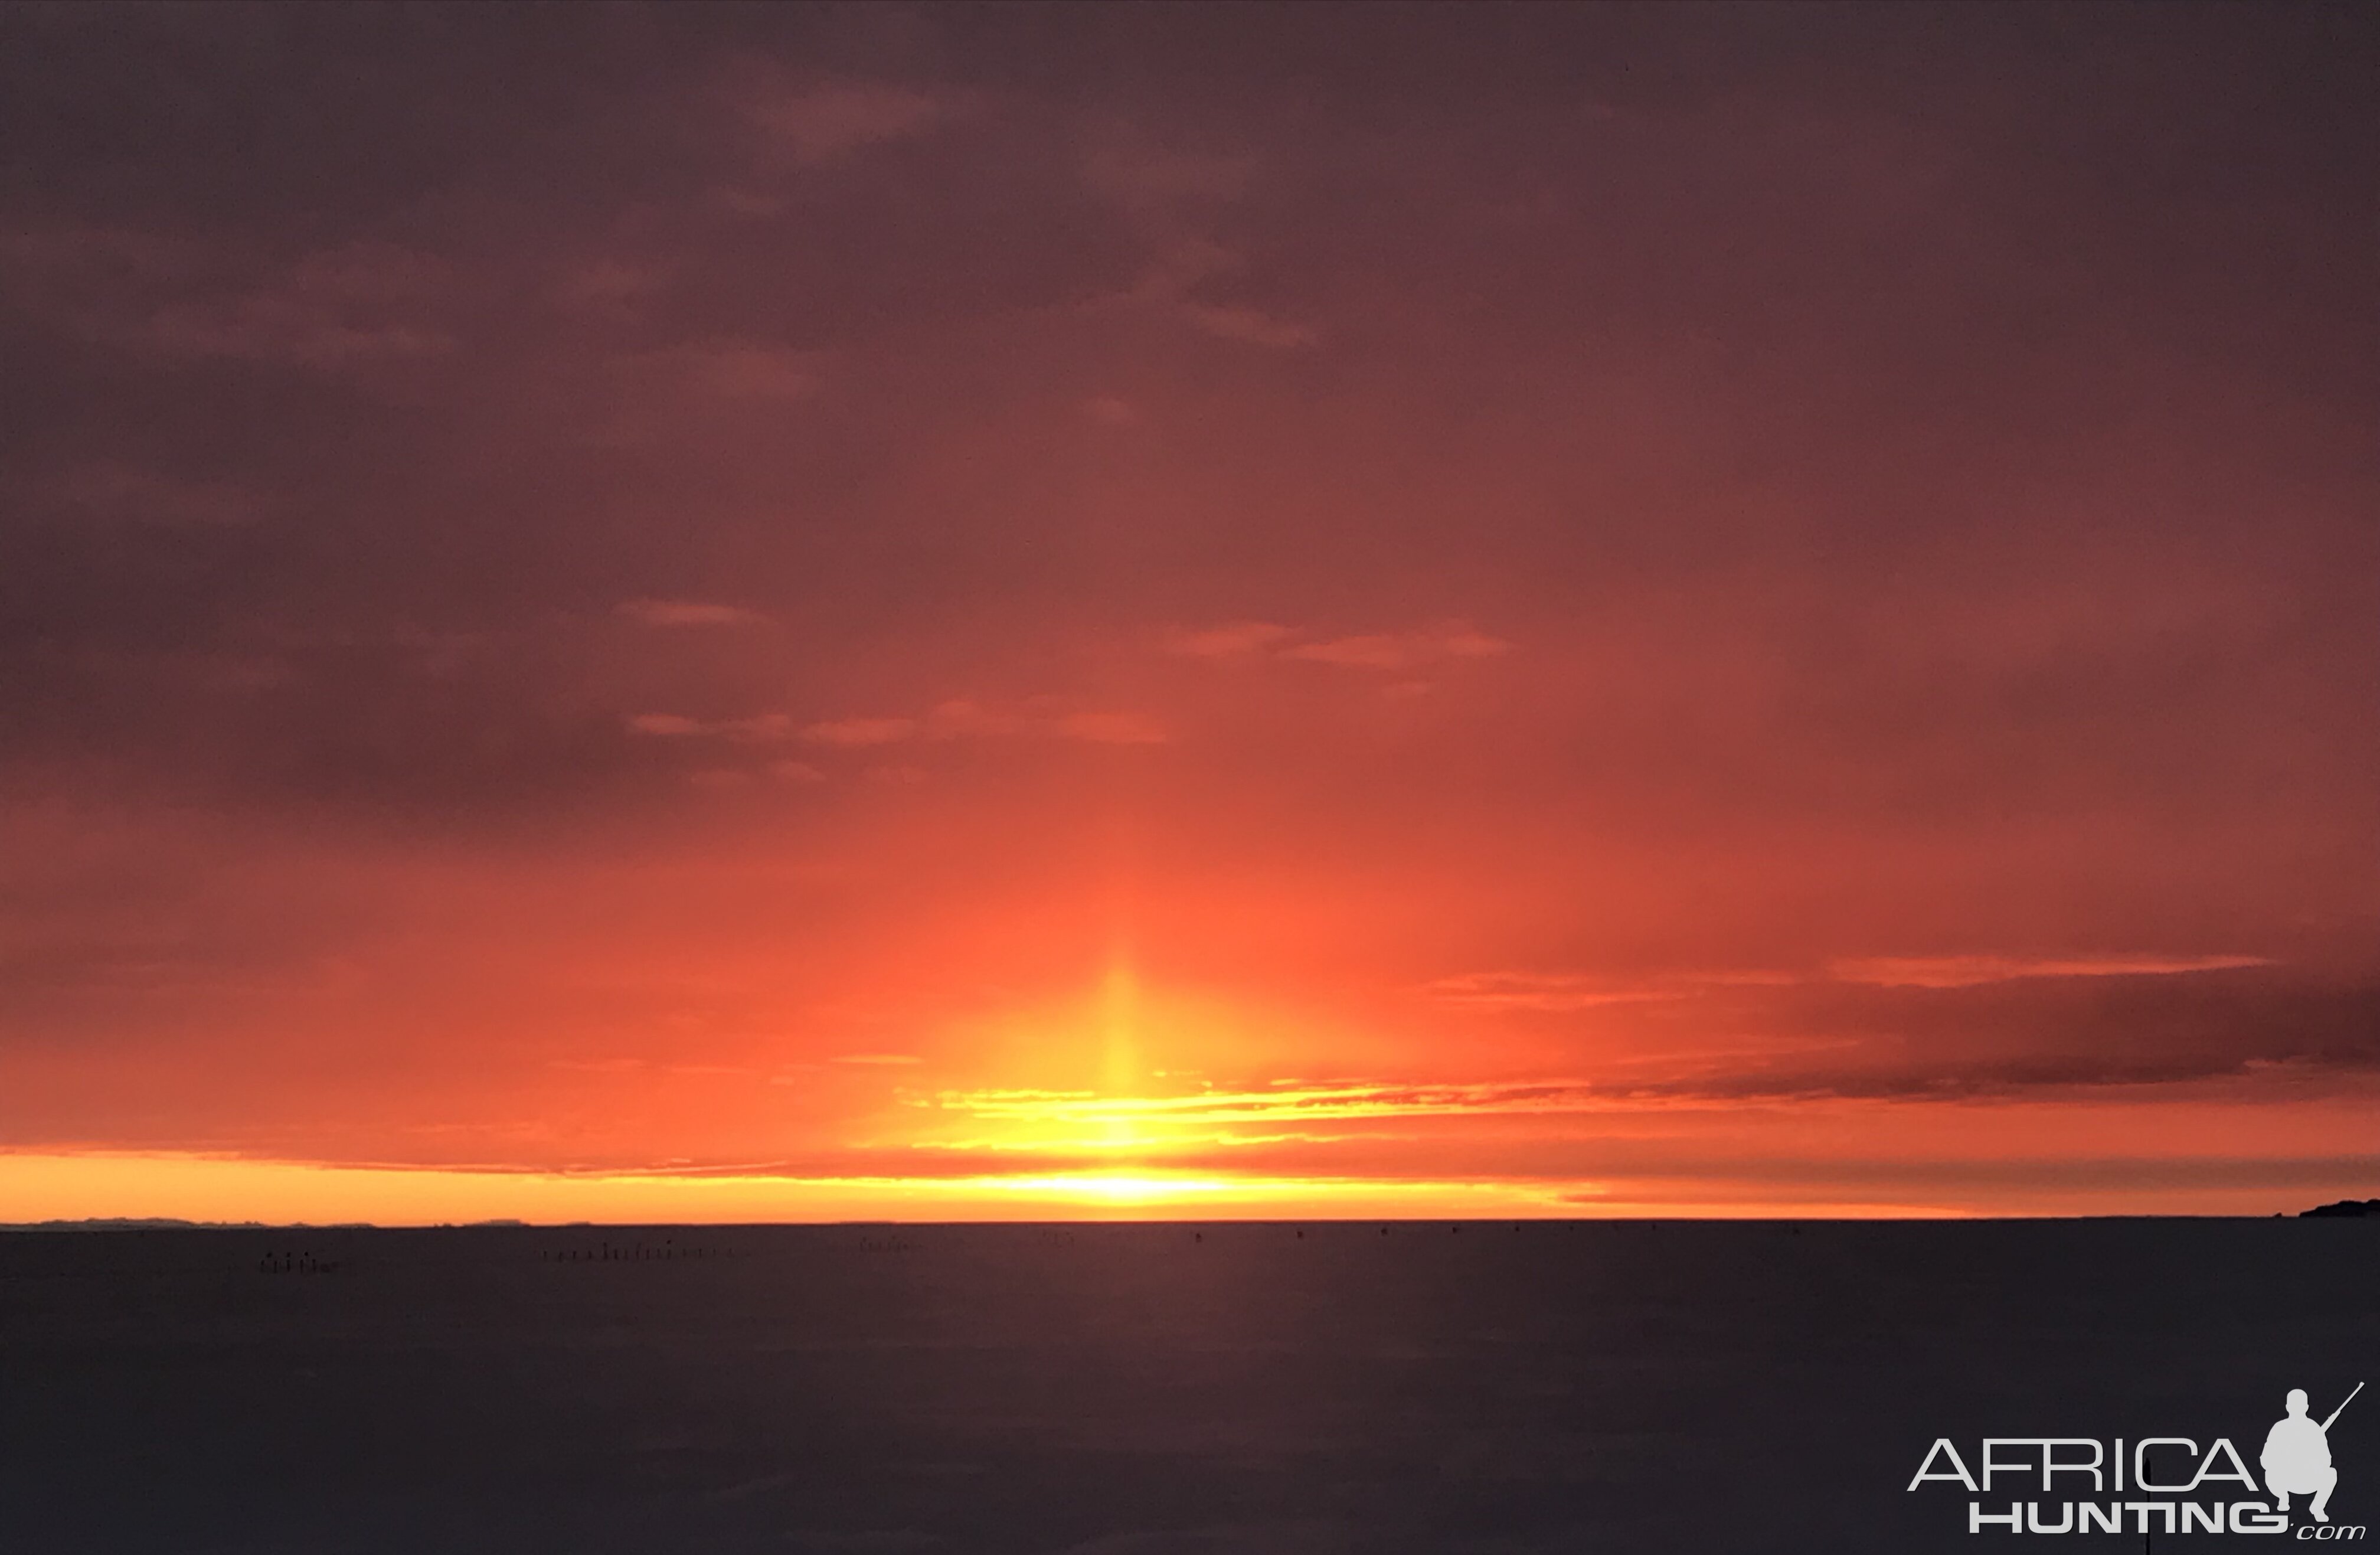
pixel 167 1223
pixel 2344 1208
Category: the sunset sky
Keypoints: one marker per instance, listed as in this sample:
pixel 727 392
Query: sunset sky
pixel 666 614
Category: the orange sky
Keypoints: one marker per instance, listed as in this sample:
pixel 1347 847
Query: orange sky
pixel 918 613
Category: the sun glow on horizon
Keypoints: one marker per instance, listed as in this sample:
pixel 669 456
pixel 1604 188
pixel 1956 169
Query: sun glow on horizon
pixel 106 1184
pixel 1122 1187
pixel 62 1186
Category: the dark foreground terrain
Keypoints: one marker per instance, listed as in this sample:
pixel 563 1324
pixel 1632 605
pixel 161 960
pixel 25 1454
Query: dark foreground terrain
pixel 1140 1390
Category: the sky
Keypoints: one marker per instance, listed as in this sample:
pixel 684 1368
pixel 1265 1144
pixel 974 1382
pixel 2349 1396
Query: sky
pixel 893 611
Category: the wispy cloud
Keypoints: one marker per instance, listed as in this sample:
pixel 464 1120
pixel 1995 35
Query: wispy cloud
pixel 1542 991
pixel 688 612
pixel 1172 197
pixel 1250 326
pixel 1575 990
pixel 608 285
pixel 1968 971
pixel 764 727
pixel 949 721
pixel 1286 1102
pixel 1437 644
pixel 357 305
pixel 825 124
pixel 1689 1080
pixel 959 720
pixel 1233 639
pixel 352 306
pixel 749 370
pixel 1400 651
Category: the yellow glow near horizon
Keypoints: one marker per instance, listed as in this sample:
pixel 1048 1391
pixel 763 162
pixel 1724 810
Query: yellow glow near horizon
pixel 1120 1187
pixel 66 1186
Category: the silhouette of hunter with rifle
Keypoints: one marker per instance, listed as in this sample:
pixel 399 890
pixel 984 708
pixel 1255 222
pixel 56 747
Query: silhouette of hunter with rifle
pixel 2297 1456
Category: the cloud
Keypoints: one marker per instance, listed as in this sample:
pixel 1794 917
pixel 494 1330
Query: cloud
pixel 1171 199
pixel 826 124
pixel 1369 650
pixel 1540 990
pixel 713 390
pixel 612 286
pixel 2343 1051
pixel 1179 268
pixel 948 721
pixel 1400 651
pixel 352 305
pixel 879 1060
pixel 747 369
pixel 1568 991
pixel 1250 326
pixel 1970 971
pixel 688 612
pixel 357 305
pixel 761 728
pixel 960 719
pixel 1288 1100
